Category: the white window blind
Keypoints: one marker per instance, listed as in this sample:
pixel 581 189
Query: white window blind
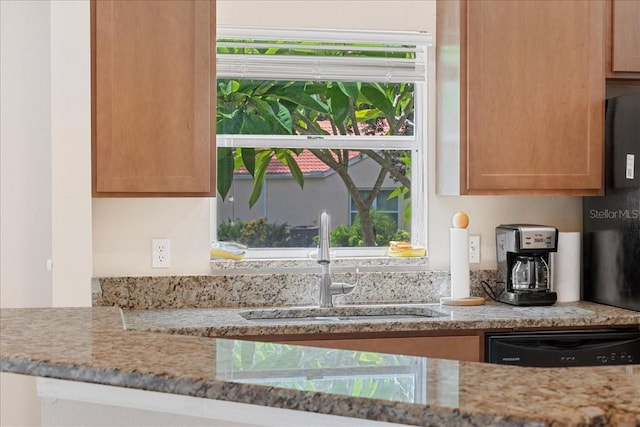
pixel 393 57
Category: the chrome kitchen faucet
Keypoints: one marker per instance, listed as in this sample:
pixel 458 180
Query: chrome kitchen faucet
pixel 327 288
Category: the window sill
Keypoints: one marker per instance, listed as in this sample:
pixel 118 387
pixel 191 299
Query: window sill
pixel 339 264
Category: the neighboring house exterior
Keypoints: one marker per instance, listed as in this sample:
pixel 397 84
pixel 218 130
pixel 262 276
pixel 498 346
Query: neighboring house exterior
pixel 283 201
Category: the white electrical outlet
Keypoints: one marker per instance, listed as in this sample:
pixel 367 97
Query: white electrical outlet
pixel 474 249
pixel 160 253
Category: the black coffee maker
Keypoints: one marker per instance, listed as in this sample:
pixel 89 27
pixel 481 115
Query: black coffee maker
pixel 523 263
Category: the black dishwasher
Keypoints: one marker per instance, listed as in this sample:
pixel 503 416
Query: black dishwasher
pixel 564 348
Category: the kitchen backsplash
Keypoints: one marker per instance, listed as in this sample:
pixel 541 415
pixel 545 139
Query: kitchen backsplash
pixel 292 288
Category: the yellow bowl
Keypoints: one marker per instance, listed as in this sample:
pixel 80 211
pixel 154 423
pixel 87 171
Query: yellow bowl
pixel 217 253
pixel 411 252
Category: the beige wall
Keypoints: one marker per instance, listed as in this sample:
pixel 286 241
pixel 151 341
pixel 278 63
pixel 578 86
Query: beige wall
pixel 45 154
pixel 123 228
pixel 25 158
pixel 71 153
pixel 45 172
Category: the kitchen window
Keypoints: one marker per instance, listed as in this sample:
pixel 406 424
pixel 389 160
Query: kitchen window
pixel 306 119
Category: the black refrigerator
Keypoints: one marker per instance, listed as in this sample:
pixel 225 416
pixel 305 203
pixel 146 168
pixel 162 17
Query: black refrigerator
pixel 611 223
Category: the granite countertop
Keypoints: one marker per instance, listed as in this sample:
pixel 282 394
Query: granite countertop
pixel 229 322
pixel 92 345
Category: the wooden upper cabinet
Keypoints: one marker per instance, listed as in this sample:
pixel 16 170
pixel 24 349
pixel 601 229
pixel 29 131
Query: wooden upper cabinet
pixel 623 38
pixel 531 95
pixel 153 94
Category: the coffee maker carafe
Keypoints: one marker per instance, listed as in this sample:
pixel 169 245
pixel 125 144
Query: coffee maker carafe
pixel 523 263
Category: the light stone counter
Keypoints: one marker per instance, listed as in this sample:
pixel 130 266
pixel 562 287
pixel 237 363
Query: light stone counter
pixel 91 345
pixel 230 322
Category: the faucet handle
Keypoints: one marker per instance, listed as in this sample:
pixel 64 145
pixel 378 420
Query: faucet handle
pixel 358 274
pixel 342 288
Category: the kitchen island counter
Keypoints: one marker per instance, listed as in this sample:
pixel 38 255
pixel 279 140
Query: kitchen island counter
pixel 91 345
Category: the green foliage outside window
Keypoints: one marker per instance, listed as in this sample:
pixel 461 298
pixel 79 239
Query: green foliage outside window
pixel 262 234
pixel 254 234
pixel 384 226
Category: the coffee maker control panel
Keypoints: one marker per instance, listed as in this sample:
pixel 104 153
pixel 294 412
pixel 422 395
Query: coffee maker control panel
pixel 538 238
pixel 525 238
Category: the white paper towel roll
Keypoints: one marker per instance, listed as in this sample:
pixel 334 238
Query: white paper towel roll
pixel 566 266
pixel 460 283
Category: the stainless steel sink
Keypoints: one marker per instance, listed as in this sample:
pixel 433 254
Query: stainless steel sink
pixel 342 314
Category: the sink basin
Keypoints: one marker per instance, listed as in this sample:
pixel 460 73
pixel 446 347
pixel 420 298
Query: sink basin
pixel 342 314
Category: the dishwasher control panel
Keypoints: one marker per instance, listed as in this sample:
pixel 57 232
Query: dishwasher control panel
pixel 564 348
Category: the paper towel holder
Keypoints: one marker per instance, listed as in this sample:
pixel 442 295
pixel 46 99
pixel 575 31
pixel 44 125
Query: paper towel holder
pixel 459 261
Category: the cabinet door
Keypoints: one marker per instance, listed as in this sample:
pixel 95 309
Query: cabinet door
pixel 534 97
pixel 625 36
pixel 153 89
pixel 463 348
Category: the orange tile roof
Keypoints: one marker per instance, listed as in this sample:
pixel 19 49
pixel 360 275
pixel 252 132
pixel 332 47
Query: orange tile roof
pixel 308 163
